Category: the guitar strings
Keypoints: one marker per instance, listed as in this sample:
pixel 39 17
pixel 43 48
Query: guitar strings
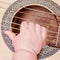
pixel 48 18
pixel 39 15
pixel 19 30
pixel 40 21
pixel 40 11
pixel 34 15
pixel 26 19
pixel 20 24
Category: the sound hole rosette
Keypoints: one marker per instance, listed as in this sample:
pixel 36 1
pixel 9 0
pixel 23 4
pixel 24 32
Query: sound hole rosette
pixel 46 52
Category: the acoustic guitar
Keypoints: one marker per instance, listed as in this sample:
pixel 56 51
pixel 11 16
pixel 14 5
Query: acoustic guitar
pixel 42 12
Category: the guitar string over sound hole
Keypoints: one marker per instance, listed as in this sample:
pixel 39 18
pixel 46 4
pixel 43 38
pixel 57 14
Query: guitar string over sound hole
pixel 39 15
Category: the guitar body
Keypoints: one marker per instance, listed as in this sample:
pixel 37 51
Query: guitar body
pixel 44 12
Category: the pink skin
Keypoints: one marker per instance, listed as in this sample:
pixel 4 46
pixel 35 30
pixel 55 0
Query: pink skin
pixel 28 42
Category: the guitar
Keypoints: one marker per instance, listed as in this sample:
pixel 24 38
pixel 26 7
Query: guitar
pixel 36 12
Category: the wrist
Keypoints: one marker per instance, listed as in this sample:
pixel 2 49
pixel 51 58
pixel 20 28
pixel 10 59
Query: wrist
pixel 23 54
pixel 27 51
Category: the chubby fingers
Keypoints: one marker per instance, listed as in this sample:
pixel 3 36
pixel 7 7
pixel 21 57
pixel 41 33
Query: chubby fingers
pixel 38 30
pixel 44 33
pixel 23 26
pixel 41 31
pixel 31 27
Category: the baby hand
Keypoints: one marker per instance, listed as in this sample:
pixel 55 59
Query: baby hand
pixel 30 38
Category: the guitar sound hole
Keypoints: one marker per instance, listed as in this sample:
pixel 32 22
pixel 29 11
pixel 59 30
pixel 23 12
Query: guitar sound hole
pixel 39 15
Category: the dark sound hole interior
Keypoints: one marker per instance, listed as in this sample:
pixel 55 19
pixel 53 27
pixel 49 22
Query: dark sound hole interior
pixel 36 14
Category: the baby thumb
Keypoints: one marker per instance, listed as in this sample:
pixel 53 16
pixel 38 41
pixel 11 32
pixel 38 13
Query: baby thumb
pixel 10 34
